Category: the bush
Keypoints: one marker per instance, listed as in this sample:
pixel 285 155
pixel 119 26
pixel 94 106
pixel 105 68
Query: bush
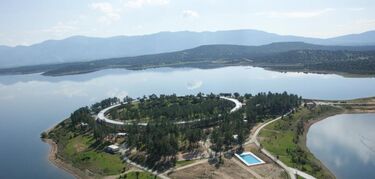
pixel 44 135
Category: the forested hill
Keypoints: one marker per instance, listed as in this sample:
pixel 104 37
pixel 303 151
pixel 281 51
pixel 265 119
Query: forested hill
pixel 81 48
pixel 285 56
pixel 342 61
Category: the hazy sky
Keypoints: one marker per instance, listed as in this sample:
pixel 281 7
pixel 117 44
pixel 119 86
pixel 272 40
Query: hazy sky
pixel 27 22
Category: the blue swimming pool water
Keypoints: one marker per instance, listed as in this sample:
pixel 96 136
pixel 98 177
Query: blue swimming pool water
pixel 250 159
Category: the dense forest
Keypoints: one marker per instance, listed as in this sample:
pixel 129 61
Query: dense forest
pixel 265 105
pixel 354 62
pixel 287 56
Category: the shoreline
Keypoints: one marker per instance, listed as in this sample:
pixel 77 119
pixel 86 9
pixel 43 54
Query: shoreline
pixel 319 72
pixel 312 122
pixel 59 163
pixel 304 140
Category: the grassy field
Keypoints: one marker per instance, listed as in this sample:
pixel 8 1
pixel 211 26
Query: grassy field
pixel 286 139
pixel 184 162
pixel 83 152
pixel 79 152
pixel 138 175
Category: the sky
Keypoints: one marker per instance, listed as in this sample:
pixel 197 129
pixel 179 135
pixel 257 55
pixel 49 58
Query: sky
pixel 29 22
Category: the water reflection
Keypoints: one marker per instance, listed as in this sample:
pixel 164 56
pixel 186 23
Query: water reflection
pixel 11 79
pixel 185 81
pixel 345 143
pixel 32 103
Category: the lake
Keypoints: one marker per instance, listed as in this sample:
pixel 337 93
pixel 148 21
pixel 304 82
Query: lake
pixel 345 144
pixel 33 103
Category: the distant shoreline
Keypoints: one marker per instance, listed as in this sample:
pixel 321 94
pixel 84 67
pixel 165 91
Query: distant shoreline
pixel 281 56
pixel 267 68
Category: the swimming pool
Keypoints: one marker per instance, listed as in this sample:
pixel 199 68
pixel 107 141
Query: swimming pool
pixel 249 159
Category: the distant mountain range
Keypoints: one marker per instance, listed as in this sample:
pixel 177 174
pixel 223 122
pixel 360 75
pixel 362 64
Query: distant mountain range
pixel 286 56
pixel 80 48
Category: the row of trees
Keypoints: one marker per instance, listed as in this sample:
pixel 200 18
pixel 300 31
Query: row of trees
pixel 104 104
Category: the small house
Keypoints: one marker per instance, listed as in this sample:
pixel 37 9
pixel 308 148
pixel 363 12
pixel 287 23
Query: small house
pixel 112 149
pixel 121 134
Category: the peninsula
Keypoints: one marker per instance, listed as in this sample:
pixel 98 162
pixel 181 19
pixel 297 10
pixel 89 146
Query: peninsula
pixel 169 136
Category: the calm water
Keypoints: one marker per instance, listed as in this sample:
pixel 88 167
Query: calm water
pixel 30 104
pixel 345 144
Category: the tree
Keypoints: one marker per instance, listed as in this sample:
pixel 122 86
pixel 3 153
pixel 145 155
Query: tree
pixel 236 95
pixel 43 135
pixel 217 141
pixel 240 139
pixel 81 115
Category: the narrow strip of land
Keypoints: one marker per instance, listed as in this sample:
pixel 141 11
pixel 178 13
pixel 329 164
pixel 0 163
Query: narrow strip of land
pixel 292 172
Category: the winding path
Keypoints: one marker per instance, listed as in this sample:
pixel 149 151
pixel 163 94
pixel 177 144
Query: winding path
pixel 101 115
pixel 292 172
pixel 235 101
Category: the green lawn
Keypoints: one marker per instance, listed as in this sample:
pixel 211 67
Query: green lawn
pixel 141 175
pixel 184 162
pixel 78 150
pixel 278 143
pixel 100 162
pixel 77 144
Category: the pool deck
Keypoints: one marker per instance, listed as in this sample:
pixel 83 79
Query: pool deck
pixel 253 155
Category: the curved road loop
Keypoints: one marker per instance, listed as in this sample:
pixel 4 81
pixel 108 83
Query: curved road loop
pixel 101 115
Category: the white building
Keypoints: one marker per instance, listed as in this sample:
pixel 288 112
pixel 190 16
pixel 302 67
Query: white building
pixel 112 149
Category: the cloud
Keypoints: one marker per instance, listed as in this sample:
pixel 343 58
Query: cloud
pixel 194 85
pixel 142 3
pixel 190 14
pixel 110 14
pixel 295 14
pixel 368 23
pixel 61 28
pixel 355 9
